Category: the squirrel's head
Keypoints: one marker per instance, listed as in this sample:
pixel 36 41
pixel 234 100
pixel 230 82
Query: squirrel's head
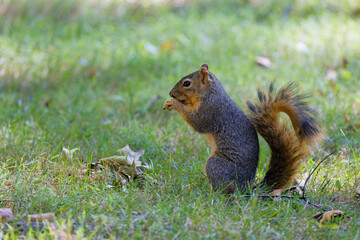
pixel 192 87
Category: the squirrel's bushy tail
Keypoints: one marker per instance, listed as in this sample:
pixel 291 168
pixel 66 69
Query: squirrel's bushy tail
pixel 287 146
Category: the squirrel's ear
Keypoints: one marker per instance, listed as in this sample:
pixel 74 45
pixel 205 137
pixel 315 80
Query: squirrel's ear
pixel 205 66
pixel 204 73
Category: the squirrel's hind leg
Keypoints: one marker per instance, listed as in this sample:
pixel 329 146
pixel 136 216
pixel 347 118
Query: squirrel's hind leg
pixel 221 174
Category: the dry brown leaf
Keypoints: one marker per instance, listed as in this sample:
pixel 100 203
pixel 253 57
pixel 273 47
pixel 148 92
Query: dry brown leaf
pixel 328 216
pixel 276 192
pixel 114 161
pixel 42 217
pixel 263 61
pixel 6 214
pixel 123 169
pixel 131 156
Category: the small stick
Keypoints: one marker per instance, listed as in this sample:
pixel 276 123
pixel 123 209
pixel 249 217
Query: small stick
pixel 303 197
pixel 269 196
pixel 307 179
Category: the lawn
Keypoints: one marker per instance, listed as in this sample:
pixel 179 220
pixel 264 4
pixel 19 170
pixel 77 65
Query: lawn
pixel 94 75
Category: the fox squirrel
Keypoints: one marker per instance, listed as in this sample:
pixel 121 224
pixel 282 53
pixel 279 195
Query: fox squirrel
pixel 204 105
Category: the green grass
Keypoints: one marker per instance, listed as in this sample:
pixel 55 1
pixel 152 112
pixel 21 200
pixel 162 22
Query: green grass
pixel 81 74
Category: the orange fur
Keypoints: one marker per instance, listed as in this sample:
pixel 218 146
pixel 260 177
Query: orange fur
pixel 211 138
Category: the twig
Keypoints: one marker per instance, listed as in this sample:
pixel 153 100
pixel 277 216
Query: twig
pixel 303 197
pixel 307 179
pixel 289 197
pixel 269 196
pixel 313 204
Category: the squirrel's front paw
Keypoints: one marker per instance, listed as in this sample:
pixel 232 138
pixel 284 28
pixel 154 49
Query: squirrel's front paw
pixel 170 104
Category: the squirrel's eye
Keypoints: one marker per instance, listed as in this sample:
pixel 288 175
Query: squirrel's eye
pixel 186 83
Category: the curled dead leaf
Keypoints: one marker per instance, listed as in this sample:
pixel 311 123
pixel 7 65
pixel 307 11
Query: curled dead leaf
pixel 123 169
pixel 131 156
pixel 328 216
pixel 276 192
pixel 69 153
pixel 114 161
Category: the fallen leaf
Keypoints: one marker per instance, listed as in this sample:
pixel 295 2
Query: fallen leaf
pixel 6 214
pixel 263 61
pixel 328 216
pixel 69 153
pixel 115 161
pixel 131 156
pixel 346 119
pixel 42 217
pixel 123 169
pixel 276 192
pixel 98 166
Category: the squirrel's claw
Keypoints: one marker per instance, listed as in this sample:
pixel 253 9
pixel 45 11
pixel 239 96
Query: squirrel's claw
pixel 170 104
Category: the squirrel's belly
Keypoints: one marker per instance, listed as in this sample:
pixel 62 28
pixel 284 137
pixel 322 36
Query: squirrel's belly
pixel 211 138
